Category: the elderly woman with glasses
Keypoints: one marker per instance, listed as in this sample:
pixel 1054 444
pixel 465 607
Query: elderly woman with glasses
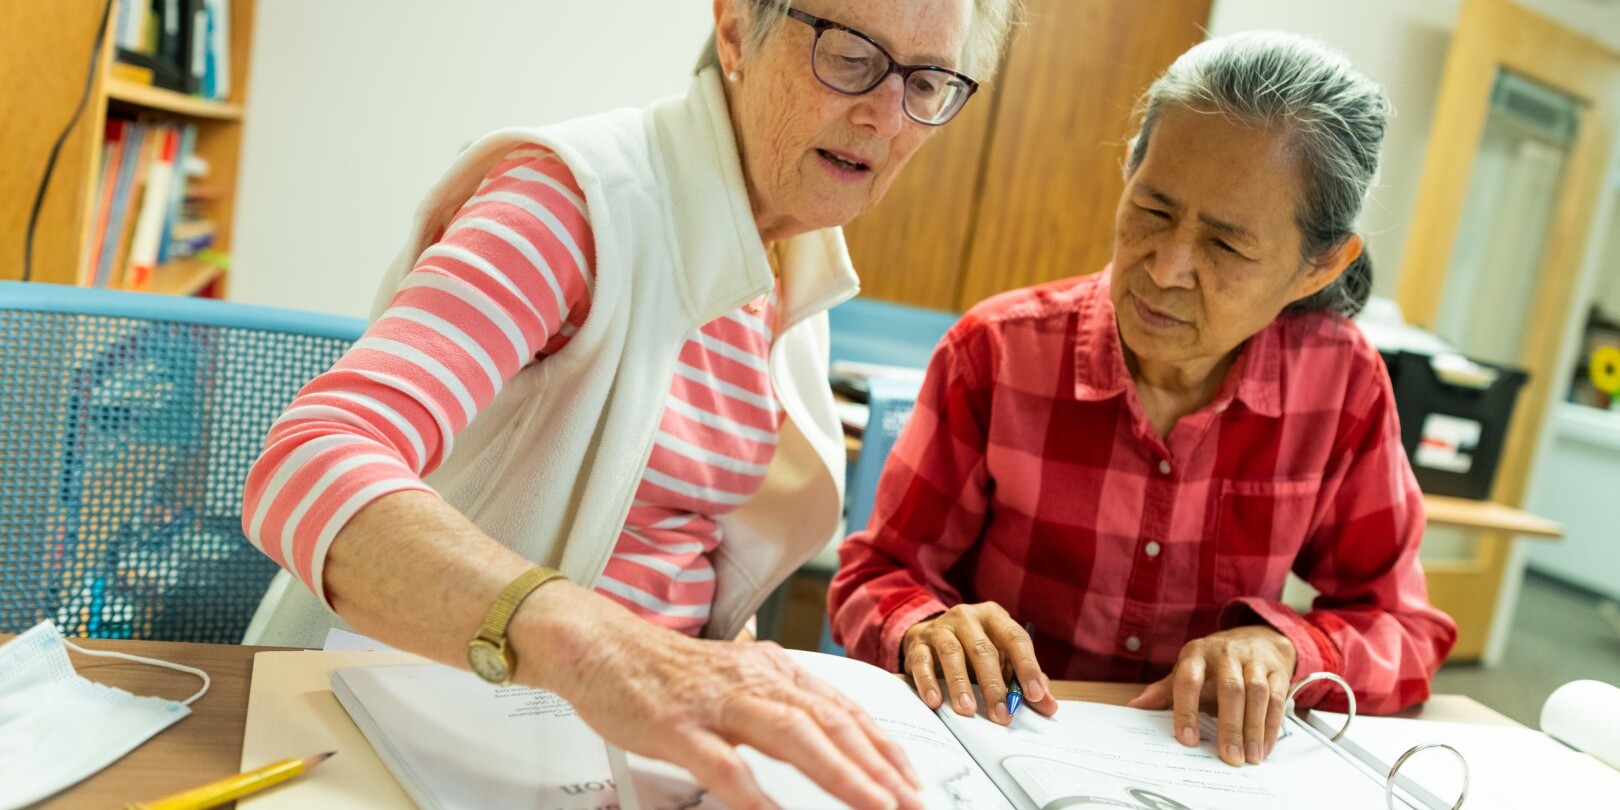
pixel 1131 463
pixel 590 424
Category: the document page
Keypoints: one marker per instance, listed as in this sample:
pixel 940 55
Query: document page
pixel 291 714
pixel 951 779
pixel 1508 766
pixel 1096 755
pixel 453 740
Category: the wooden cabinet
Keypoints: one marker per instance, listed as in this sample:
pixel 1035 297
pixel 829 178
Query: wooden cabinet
pixel 49 68
pixel 1021 187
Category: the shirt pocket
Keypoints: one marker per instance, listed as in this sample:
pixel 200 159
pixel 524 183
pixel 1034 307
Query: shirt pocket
pixel 1258 531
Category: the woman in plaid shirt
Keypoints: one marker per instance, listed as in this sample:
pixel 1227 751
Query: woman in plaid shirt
pixel 1131 462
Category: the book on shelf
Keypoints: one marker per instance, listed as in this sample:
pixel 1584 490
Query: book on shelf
pixel 179 45
pixel 185 168
pixel 143 199
pixel 111 238
pixel 452 740
pixel 189 238
pixel 132 73
pixel 129 26
pixel 155 197
pixel 112 150
pixel 216 83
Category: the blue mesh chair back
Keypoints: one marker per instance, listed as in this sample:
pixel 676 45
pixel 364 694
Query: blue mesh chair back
pixel 128 423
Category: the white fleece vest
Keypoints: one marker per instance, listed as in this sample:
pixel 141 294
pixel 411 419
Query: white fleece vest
pixel 550 467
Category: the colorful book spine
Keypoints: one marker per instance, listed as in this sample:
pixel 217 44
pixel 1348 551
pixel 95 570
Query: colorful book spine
pixel 143 158
pixel 217 76
pixel 112 152
pixel 177 189
pixel 118 203
pixel 155 199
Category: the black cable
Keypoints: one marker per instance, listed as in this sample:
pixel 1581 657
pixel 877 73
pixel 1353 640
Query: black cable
pixel 56 151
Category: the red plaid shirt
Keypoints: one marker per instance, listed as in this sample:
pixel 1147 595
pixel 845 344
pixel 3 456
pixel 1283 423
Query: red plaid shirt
pixel 1030 476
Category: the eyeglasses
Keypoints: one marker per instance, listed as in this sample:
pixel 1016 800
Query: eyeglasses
pixel 849 62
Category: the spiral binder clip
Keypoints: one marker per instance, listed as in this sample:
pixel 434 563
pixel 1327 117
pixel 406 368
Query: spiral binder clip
pixel 1392 777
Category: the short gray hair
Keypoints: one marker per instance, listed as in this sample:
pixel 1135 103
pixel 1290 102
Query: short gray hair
pixel 988 35
pixel 1334 114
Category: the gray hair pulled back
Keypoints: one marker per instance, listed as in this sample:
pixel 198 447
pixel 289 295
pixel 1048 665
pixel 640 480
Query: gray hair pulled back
pixel 1334 114
pixel 993 22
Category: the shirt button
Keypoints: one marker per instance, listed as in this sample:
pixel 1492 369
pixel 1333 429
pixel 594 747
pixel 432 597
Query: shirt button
pixel 1133 644
pixel 1152 548
pixel 1164 466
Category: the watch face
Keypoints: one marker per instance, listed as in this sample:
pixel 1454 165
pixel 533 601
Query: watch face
pixel 486 660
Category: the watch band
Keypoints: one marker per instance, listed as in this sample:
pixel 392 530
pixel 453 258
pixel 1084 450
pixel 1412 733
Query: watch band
pixel 506 603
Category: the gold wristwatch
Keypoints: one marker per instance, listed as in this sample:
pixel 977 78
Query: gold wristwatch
pixel 487 652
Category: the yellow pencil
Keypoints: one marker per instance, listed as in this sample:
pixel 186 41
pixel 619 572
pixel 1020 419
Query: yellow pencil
pixel 214 794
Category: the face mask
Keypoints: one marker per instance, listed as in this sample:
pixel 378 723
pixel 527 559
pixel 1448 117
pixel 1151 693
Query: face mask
pixel 56 728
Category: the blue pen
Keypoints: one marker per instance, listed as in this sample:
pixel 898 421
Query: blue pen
pixel 1015 696
pixel 1015 690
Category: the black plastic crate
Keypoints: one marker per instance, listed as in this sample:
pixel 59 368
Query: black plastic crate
pixel 1453 426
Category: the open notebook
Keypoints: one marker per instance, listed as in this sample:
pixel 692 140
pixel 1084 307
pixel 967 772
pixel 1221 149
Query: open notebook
pixel 454 741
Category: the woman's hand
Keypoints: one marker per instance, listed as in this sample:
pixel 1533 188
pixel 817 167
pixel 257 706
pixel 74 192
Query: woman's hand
pixel 982 640
pixel 691 702
pixel 1246 671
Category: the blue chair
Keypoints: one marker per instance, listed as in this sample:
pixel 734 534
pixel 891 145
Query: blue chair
pixel 889 403
pixel 879 332
pixel 128 423
pixel 870 331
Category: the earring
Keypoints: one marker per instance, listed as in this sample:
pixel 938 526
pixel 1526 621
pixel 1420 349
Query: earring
pixel 732 76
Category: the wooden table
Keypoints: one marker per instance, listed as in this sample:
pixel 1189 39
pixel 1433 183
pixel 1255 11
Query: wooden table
pixel 1442 510
pixel 208 744
pixel 204 746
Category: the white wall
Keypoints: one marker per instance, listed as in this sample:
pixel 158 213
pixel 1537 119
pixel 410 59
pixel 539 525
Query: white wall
pixel 1607 293
pixel 1576 482
pixel 341 144
pixel 1401 44
pixel 356 106
pixel 1398 43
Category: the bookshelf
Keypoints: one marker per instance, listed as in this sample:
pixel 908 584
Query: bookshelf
pixel 45 60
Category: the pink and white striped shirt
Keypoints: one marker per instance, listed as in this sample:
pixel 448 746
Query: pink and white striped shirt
pixel 508 283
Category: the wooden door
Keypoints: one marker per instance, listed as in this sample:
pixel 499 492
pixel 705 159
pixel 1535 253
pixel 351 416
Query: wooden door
pixel 1053 172
pixel 1498 45
pixel 1021 188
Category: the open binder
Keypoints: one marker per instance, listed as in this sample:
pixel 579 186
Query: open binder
pixel 1093 755
pixel 452 740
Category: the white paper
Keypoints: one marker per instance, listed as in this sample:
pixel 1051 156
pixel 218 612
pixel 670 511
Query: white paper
pixel 340 640
pixel 291 714
pixel 852 414
pixel 1509 766
pixel 1586 716
pixel 1094 755
pixel 455 741
pixel 951 779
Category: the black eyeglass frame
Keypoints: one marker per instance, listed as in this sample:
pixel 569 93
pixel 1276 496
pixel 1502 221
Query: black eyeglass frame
pixel 823 25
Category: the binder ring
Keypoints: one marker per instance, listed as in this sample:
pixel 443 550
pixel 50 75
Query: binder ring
pixel 1349 697
pixel 1389 782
